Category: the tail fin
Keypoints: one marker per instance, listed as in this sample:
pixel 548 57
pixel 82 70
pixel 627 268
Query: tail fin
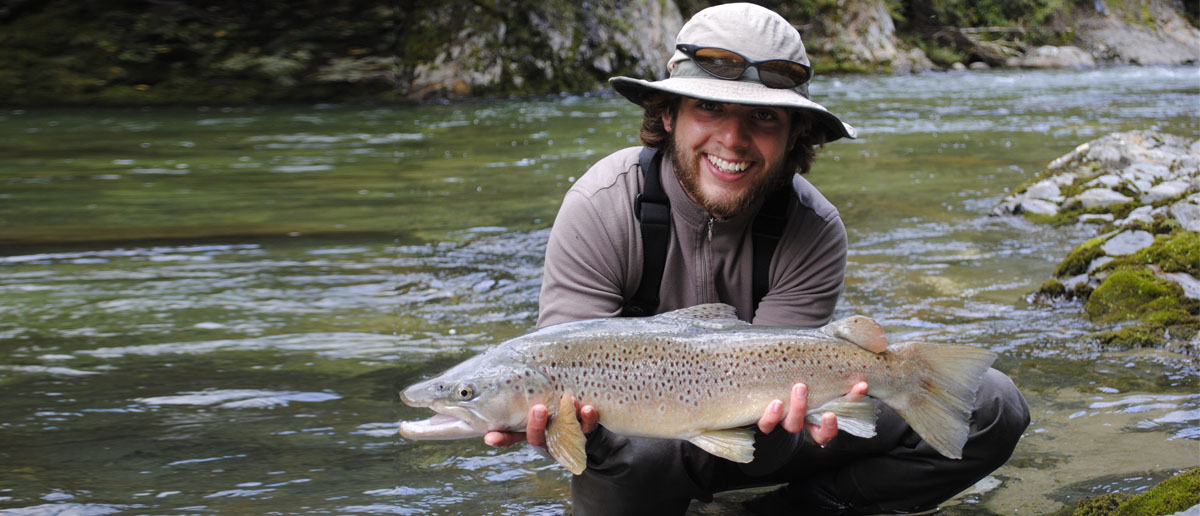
pixel 941 391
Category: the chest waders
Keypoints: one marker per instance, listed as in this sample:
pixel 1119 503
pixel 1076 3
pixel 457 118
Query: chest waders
pixel 653 211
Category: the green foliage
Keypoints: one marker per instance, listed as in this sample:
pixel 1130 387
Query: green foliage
pixel 992 13
pixel 147 51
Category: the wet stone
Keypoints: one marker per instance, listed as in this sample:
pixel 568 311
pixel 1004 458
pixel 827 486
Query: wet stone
pixel 1046 189
pixel 1100 197
pixel 1098 262
pixel 1165 190
pixel 1127 242
pixel 1187 212
pixel 1038 206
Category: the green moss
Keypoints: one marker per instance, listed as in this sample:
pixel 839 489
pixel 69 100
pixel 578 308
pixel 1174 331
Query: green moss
pixel 1173 495
pixel 1141 336
pixel 1136 294
pixel 1100 506
pixel 1177 252
pixel 1133 293
pixel 1053 288
pixel 1078 259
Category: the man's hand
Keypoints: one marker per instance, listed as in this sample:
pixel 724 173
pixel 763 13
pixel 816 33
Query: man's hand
pixel 535 426
pixel 794 421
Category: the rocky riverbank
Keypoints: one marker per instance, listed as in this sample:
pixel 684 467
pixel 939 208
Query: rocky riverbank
pixel 158 52
pixel 1139 194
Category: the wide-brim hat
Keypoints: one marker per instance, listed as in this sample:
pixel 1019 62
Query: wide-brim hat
pixel 754 32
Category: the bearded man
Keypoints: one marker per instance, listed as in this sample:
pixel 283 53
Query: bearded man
pixel 717 210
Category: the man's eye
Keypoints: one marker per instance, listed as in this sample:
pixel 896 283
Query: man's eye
pixel 765 116
pixel 710 106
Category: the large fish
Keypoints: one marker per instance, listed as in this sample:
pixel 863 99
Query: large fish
pixel 701 375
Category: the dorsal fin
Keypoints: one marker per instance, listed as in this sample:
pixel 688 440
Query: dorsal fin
pixel 863 331
pixel 714 316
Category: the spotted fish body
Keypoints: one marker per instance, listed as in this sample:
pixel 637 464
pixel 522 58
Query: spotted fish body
pixel 699 374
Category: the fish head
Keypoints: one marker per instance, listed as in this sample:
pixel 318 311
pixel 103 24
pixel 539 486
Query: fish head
pixel 482 394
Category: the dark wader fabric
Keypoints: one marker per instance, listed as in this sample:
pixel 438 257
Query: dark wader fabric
pixel 893 472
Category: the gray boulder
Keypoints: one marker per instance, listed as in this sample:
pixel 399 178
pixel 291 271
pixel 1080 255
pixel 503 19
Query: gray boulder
pixel 1050 56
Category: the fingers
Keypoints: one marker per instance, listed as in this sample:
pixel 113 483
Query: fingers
pixel 826 431
pixel 771 417
pixel 859 389
pixel 589 418
pixel 502 439
pixel 798 406
pixel 535 425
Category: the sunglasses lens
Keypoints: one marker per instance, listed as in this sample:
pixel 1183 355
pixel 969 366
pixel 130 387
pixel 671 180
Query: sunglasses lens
pixel 721 63
pixel 782 74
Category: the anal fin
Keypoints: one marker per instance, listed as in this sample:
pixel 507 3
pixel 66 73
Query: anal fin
pixel 564 437
pixel 855 415
pixel 735 444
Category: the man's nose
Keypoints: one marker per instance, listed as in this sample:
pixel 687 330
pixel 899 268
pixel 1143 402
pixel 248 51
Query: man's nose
pixel 734 132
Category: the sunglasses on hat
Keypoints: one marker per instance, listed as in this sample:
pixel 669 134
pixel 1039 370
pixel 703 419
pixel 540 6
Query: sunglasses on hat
pixel 727 64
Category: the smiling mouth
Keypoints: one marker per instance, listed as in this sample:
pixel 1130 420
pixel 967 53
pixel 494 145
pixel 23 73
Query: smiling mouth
pixel 728 167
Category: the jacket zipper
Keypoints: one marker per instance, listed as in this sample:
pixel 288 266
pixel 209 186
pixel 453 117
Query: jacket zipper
pixel 704 266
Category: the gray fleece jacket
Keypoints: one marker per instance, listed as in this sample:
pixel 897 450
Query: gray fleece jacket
pixel 594 255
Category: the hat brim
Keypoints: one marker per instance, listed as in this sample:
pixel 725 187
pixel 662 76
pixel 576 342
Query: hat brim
pixel 734 92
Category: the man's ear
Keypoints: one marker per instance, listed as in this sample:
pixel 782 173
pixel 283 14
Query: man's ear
pixel 667 120
pixel 798 128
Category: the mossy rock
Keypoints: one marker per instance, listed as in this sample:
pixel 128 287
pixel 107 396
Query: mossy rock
pixel 1131 293
pixel 1177 252
pixel 1078 259
pixel 1102 505
pixel 1173 495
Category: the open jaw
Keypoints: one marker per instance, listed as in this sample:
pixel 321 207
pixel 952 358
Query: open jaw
pixel 440 426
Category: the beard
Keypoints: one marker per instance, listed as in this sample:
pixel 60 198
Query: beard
pixel 687 172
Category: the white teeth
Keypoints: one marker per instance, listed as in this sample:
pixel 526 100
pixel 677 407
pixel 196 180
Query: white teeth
pixel 726 166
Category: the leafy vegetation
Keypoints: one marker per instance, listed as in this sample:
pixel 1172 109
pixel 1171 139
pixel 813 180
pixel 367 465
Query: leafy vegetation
pixel 188 51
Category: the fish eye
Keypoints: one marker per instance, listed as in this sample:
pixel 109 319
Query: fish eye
pixel 464 392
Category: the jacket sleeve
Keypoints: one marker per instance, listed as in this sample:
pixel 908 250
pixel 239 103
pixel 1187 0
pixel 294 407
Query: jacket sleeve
pixel 807 273
pixel 588 264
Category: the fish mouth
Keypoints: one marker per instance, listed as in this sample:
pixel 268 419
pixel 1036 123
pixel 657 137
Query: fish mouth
pixel 442 426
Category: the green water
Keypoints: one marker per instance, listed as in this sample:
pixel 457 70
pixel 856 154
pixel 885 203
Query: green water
pixel 209 310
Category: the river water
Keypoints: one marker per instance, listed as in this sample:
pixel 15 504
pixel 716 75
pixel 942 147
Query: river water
pixel 209 310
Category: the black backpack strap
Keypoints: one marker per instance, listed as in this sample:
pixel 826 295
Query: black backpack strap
pixel 768 229
pixel 653 211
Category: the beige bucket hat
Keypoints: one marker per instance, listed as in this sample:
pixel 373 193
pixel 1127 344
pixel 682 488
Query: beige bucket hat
pixel 754 32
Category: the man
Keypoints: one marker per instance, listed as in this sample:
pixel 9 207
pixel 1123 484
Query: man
pixel 735 125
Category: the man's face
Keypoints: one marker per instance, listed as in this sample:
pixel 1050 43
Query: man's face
pixel 727 156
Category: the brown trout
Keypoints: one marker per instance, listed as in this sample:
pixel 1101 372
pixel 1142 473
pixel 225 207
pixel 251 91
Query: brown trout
pixel 702 375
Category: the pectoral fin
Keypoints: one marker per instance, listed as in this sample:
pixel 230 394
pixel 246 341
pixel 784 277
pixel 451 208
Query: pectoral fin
pixel 564 437
pixel 855 414
pixel 735 444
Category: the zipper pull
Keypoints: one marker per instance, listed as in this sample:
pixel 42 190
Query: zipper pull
pixel 711 220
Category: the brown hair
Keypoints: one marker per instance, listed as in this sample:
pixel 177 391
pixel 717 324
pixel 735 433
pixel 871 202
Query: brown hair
pixel 799 158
